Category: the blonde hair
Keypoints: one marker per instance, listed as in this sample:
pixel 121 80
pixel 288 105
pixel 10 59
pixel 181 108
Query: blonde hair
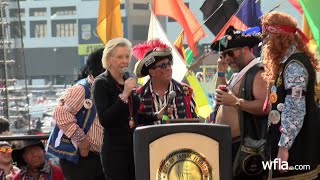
pixel 110 46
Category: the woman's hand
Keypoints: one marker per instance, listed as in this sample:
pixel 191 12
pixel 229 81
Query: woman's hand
pixel 129 85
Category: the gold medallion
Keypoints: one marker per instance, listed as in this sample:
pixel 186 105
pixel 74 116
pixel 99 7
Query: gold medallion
pixel 184 164
pixel 186 90
pixel 131 123
pixel 273 97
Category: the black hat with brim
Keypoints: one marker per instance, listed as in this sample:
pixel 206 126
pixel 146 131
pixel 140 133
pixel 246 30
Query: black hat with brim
pixel 17 153
pixel 234 38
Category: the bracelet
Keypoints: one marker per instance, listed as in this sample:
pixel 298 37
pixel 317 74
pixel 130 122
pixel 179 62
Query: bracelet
pixel 123 99
pixel 221 74
pixel 78 135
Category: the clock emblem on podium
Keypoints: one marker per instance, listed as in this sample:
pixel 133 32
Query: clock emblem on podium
pixel 184 164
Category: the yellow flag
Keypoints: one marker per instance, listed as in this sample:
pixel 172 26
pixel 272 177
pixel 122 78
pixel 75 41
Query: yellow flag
pixel 109 23
pixel 203 106
pixel 306 30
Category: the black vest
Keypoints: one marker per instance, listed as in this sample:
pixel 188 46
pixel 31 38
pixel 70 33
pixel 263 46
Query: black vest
pixel 251 125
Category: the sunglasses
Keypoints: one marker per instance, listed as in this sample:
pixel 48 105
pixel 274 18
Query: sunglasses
pixel 4 150
pixel 230 53
pixel 163 65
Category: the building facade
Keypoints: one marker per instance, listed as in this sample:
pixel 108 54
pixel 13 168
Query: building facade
pixel 58 35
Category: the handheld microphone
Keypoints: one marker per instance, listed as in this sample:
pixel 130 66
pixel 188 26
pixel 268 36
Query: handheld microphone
pixel 126 73
pixel 172 95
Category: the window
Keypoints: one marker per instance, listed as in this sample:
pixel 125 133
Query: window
pixel 140 6
pixel 38 29
pixel 64 28
pixel 37 12
pixel 139 32
pixel 121 6
pixel 15 29
pixel 61 11
pixel 172 20
pixel 15 12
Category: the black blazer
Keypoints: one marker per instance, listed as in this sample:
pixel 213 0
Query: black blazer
pixel 117 147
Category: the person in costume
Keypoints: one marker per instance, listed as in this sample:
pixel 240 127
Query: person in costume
pixel 30 158
pixel 155 60
pixel 241 102
pixel 294 119
pixel 77 136
pixel 7 169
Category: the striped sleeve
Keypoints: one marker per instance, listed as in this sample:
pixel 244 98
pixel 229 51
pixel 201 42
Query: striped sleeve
pixel 193 106
pixel 64 114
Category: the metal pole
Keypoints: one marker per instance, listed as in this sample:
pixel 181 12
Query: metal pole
pixel 4 42
pixel 26 77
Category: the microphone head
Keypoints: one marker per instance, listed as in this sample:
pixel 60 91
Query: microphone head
pixel 126 73
pixel 172 94
pixel 126 69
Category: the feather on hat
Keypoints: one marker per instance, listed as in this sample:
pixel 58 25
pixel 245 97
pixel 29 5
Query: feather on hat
pixel 148 53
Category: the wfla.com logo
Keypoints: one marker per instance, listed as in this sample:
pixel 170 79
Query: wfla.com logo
pixel 278 164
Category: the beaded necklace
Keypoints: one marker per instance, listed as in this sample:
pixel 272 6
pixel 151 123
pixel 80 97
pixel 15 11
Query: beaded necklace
pixel 130 106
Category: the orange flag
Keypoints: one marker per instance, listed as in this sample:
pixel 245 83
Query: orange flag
pixel 109 23
pixel 177 10
pixel 178 44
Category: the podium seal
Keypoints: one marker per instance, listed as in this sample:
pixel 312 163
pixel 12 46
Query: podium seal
pixel 184 164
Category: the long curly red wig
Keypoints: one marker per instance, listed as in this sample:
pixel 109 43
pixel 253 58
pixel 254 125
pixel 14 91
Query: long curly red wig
pixel 276 45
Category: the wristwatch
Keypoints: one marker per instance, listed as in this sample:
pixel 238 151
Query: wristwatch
pixel 237 104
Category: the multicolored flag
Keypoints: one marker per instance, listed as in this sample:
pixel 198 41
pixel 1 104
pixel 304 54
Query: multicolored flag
pixel 312 22
pixel 109 23
pixel 246 16
pixel 177 10
pixel 203 107
pixel 178 44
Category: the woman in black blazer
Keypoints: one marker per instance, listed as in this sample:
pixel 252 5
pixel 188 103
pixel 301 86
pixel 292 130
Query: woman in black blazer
pixel 117 109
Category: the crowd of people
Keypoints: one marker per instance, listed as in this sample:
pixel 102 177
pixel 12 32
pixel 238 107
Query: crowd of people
pixel 271 104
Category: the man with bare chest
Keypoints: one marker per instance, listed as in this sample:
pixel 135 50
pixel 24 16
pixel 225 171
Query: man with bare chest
pixel 241 101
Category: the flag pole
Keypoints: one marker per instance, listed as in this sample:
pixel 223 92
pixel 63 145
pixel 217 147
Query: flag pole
pixel 207 19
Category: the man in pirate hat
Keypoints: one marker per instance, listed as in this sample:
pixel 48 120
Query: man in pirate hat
pixel 30 158
pixel 241 101
pixel 294 119
pixel 155 60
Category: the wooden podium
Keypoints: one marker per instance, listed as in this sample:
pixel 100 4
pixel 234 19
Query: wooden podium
pixel 185 151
